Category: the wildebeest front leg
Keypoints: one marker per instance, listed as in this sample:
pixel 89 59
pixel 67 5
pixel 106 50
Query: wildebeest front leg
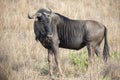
pixel 90 62
pixel 50 55
pixel 57 59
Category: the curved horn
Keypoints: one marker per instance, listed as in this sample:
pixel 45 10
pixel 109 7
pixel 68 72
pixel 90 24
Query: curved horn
pixel 50 10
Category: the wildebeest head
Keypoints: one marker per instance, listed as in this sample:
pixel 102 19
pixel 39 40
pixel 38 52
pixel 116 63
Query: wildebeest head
pixel 42 15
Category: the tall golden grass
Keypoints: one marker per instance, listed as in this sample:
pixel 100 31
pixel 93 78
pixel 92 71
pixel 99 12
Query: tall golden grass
pixel 22 58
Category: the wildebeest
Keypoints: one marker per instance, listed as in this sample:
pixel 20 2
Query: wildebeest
pixel 69 34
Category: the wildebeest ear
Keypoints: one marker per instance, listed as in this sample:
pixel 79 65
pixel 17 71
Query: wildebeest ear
pixel 39 14
pixel 34 16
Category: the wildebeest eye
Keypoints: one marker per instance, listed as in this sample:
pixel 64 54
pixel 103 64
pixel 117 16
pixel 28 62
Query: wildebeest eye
pixel 41 19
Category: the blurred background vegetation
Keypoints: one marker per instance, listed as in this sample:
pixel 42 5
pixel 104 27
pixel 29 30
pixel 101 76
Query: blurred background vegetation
pixel 22 58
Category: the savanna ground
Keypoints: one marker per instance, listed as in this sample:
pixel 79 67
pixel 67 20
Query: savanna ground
pixel 22 58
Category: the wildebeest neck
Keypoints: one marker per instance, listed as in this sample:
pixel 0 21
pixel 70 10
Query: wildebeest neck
pixel 70 32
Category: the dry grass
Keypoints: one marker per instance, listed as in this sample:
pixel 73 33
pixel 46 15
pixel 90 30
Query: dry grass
pixel 112 71
pixel 22 58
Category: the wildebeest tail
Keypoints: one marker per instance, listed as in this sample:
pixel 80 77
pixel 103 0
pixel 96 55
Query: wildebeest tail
pixel 106 47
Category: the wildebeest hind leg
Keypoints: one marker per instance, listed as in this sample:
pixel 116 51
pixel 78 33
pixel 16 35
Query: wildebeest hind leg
pixel 97 51
pixel 90 53
pixel 99 54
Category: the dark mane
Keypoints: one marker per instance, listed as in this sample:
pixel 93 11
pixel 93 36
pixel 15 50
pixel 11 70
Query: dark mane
pixel 63 17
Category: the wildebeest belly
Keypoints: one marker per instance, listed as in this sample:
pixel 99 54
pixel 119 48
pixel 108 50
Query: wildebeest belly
pixel 72 44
